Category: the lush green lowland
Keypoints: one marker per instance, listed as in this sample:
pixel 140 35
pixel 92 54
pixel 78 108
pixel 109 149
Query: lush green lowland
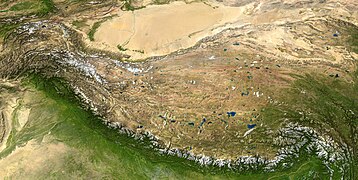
pixel 47 6
pixel 94 150
pixel 93 30
pixel 37 7
pixel 23 6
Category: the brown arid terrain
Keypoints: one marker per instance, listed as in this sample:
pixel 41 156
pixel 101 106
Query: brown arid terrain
pixel 197 76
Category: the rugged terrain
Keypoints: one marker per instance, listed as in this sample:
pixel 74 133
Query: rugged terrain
pixel 251 85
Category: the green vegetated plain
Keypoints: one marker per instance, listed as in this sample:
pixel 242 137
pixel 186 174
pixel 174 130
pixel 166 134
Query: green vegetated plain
pixel 93 30
pixel 79 23
pixel 353 40
pixel 99 151
pixel 23 6
pixel 38 7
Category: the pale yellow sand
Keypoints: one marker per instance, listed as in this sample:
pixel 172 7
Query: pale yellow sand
pixel 22 118
pixel 162 29
pixel 32 157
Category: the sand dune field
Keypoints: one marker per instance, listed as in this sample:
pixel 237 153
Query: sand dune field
pixel 162 29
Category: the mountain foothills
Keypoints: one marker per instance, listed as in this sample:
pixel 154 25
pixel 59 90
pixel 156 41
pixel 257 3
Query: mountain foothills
pixel 167 89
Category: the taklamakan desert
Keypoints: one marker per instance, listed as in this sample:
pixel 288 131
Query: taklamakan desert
pixel 178 89
pixel 162 29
